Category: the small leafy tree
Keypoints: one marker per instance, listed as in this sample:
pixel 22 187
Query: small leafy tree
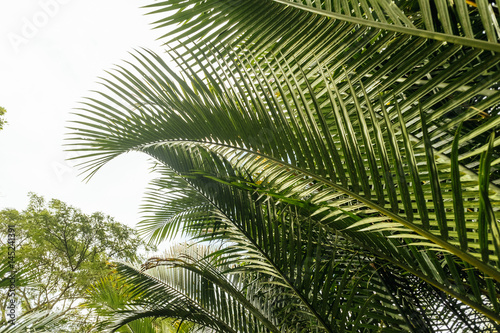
pixel 2 120
pixel 66 251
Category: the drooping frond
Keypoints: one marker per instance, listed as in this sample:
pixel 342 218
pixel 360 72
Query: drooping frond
pixel 42 321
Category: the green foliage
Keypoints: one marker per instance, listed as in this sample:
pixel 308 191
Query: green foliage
pixel 41 322
pixel 63 251
pixel 2 120
pixel 340 151
pixel 115 294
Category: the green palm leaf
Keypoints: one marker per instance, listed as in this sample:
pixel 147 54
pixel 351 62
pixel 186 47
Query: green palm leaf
pixel 219 21
pixel 42 321
pixel 187 290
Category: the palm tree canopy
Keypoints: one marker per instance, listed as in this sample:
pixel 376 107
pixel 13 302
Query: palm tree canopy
pixel 298 124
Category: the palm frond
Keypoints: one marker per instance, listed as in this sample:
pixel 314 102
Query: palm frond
pixel 177 294
pixel 474 24
pixel 43 321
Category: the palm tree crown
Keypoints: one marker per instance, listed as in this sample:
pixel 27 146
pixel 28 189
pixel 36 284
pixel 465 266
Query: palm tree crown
pixel 343 152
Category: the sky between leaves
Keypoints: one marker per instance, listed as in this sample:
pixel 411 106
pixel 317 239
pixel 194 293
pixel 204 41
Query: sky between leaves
pixel 52 53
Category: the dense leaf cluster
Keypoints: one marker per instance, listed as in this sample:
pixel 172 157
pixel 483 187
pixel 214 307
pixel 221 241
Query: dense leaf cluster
pixel 59 253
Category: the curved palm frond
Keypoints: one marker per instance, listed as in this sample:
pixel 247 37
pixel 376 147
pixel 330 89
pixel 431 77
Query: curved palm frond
pixel 447 78
pixel 110 296
pixel 191 295
pixel 172 208
pixel 468 23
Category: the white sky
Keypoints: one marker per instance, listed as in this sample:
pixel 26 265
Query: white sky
pixel 44 72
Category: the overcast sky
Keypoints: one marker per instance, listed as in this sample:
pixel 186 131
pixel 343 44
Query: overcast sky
pixel 52 52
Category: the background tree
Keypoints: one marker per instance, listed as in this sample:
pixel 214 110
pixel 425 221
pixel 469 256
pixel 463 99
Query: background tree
pixel 2 120
pixel 66 251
